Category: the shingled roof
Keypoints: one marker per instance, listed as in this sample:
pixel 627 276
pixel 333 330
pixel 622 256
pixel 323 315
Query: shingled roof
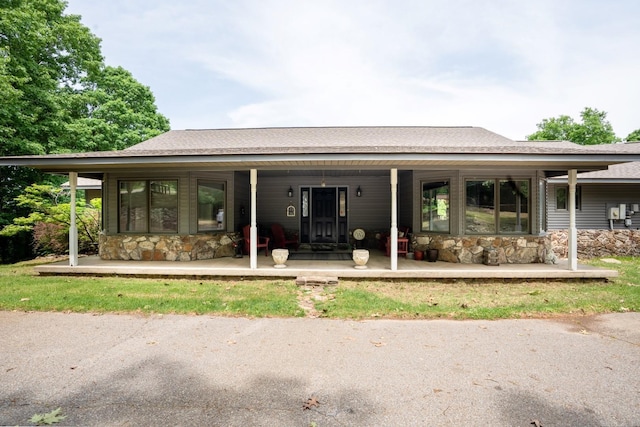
pixel 342 140
pixel 620 173
pixel 340 147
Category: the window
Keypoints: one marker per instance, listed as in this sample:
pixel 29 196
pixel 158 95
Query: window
pixel 497 206
pixel 148 206
pixel 211 206
pixel 562 198
pixel 435 206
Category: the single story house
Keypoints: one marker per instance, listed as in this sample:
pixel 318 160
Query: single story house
pixel 187 194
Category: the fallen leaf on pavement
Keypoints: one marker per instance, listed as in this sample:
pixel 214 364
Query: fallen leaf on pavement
pixel 312 401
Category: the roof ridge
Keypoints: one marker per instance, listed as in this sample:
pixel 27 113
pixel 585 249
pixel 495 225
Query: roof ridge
pixel 330 127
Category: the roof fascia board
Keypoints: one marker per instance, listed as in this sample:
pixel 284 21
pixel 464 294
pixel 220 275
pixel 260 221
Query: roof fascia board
pixel 468 158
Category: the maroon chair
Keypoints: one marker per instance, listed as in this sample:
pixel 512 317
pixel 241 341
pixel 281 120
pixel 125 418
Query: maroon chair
pixel 280 240
pixel 263 242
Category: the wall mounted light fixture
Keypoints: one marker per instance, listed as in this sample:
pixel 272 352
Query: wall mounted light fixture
pixel 290 192
pixel 359 192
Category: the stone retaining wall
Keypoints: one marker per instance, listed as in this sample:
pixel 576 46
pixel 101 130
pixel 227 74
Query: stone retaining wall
pixel 167 247
pixel 598 243
pixel 470 250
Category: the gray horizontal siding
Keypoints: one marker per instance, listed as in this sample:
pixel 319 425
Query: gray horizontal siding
pixel 595 198
pixel 372 211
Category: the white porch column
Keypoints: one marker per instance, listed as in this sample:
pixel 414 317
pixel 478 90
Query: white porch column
pixel 394 220
pixel 573 232
pixel 73 226
pixel 253 249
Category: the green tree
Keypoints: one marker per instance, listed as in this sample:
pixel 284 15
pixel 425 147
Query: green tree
pixel 633 136
pixel 45 54
pixel 593 129
pixel 113 113
pixel 56 95
pixel 50 215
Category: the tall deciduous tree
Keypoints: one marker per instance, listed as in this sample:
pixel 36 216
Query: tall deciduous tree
pixel 594 128
pixel 113 113
pixel 46 54
pixel 56 95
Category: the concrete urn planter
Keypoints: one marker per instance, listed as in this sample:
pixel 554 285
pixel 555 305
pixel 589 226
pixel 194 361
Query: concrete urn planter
pixel 280 256
pixel 360 257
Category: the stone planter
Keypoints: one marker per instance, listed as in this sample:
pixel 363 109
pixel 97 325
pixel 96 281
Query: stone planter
pixel 280 256
pixel 360 257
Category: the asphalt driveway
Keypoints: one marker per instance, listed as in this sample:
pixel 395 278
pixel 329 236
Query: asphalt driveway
pixel 199 370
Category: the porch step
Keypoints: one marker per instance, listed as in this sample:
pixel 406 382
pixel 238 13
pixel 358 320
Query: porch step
pixel 316 280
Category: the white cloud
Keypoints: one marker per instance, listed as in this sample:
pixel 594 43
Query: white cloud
pixel 501 65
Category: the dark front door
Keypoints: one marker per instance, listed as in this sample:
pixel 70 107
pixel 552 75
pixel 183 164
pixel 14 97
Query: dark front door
pixel 323 226
pixel 323 215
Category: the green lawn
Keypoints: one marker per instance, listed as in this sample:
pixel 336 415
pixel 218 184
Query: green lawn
pixel 21 289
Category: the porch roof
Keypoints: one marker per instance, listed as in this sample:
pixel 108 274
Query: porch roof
pixel 624 173
pixel 338 147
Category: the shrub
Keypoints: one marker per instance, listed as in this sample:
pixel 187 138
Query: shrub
pixel 50 218
pixel 50 238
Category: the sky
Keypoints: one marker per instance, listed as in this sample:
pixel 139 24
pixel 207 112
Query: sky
pixel 503 65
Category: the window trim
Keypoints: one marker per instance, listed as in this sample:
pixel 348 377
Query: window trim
pixel 449 185
pixel 496 205
pixel 225 221
pixel 566 188
pixel 148 206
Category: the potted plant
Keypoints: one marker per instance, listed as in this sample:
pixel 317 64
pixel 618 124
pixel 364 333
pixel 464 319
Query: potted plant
pixel 432 255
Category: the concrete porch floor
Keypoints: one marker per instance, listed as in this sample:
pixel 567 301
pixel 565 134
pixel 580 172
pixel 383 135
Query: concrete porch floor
pixel 379 266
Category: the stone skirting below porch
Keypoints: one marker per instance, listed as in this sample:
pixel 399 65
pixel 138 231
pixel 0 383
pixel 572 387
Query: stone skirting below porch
pixel 470 249
pixel 167 247
pixel 598 243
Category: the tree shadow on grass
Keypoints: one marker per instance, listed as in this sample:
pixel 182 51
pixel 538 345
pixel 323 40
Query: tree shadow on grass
pixel 162 392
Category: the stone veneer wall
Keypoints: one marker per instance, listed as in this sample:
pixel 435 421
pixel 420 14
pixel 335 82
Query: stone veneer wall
pixel 167 247
pixel 470 249
pixel 598 243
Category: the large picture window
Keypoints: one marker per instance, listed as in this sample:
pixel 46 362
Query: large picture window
pixel 211 208
pixel 148 206
pixel 435 206
pixel 497 206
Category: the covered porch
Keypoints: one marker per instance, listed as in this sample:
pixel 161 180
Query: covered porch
pixel 378 267
pixel 168 197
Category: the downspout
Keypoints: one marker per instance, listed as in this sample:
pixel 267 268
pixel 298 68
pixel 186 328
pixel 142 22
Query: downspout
pixel 573 233
pixel 253 249
pixel 394 220
pixel 73 225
